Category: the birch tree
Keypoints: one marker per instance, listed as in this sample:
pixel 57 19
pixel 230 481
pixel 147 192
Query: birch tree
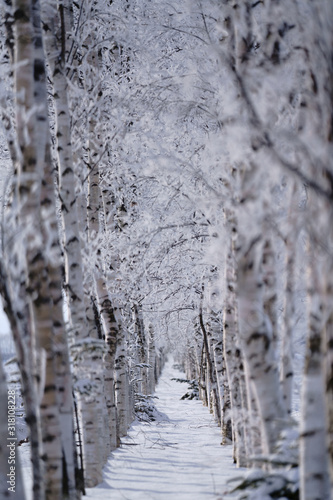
pixel 192 156
pixel 15 490
pixel 40 235
pixel 313 459
pixel 90 393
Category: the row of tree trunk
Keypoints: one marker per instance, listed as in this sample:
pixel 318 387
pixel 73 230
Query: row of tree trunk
pixel 277 241
pixel 83 376
pixel 244 358
pixel 248 183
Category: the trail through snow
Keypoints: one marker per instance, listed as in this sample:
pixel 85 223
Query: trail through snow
pixel 179 456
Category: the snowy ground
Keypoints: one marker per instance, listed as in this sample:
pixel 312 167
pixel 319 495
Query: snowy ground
pixel 179 456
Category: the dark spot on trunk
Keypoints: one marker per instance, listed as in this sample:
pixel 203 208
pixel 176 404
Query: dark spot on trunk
pixel 30 419
pixel 72 240
pixel 20 15
pixel 275 57
pixel 308 434
pixel 49 388
pixel 39 70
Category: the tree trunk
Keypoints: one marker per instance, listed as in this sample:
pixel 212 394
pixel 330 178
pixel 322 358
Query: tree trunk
pixel 151 360
pixel 122 384
pixel 287 370
pixel 328 346
pixel 256 342
pixel 211 388
pixel 57 346
pixel 234 364
pixel 314 474
pixel 31 94
pixel 141 350
pixel 215 327
pixel 93 447
pixel 11 483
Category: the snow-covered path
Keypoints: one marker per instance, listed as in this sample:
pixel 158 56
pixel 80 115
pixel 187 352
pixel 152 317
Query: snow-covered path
pixel 178 457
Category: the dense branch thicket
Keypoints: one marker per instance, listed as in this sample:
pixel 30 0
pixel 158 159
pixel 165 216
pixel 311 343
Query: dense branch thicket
pixel 167 186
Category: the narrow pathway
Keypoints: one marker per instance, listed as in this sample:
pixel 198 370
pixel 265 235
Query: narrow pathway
pixel 176 457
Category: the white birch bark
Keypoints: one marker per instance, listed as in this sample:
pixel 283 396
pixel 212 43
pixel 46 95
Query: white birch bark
pixel 59 365
pixel 11 483
pixel 91 404
pixel 144 346
pixel 87 385
pixel 314 471
pixel 201 364
pixel 122 388
pixel 215 327
pixel 92 298
pixel 206 369
pixel 116 376
pixel 109 324
pixel 114 216
pixel 191 367
pixel 110 328
pixel 235 365
pixel 13 269
pixel 328 349
pixel 19 317
pixel 256 342
pixel 287 369
pixel 69 211
pixel 151 360
pixel 209 370
pixel 160 360
pixel 141 350
pixel 60 351
pixel 269 281
pixel 318 41
pixel 95 208
pixel 227 429
pixel 33 156
pixel 214 393
pixel 289 301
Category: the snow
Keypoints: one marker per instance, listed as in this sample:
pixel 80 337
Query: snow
pixel 177 456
